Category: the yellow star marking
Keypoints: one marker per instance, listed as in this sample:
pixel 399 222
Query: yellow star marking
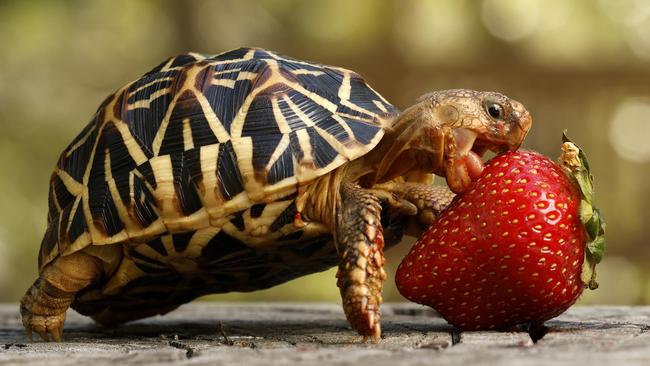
pixel 165 194
pixel 377 94
pixel 54 198
pixel 230 83
pixel 344 90
pixel 298 112
pixel 155 228
pixel 160 134
pixel 197 56
pixel 75 188
pixel 336 144
pixel 95 234
pixel 380 105
pixel 238 121
pixel 308 72
pixel 73 210
pixel 283 125
pixel 82 140
pixel 122 211
pixel 213 121
pixel 199 240
pixel 145 103
pixel 243 148
pixel 305 146
pixel 149 84
pixel 282 146
pixel 226 71
pixel 345 126
pixel 249 55
pixel 131 145
pixel 207 192
pixel 188 142
pixel 168 64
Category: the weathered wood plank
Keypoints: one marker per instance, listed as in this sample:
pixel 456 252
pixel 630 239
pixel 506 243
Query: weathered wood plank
pixel 317 334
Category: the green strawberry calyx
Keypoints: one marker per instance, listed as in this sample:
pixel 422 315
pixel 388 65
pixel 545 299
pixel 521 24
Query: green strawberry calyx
pixel 574 162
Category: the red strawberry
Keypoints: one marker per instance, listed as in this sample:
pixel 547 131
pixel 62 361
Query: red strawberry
pixel 510 250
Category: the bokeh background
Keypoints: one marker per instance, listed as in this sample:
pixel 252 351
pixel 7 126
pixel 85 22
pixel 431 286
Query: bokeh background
pixel 581 65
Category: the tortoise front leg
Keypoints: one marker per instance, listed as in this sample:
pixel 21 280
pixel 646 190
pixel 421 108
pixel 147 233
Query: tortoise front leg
pixel 430 200
pixel 44 306
pixel 360 243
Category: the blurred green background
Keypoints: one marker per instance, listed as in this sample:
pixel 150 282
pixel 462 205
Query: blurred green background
pixel 580 65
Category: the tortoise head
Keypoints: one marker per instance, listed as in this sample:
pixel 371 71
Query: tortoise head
pixel 448 132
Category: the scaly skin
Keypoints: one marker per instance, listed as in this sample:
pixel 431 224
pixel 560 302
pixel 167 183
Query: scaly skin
pixel 44 306
pixel 361 273
pixel 428 199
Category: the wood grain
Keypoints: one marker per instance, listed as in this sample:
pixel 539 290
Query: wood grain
pixel 318 334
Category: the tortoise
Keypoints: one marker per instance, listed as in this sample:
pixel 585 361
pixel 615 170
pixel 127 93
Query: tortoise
pixel 244 170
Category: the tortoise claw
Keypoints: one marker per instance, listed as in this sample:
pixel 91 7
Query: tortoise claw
pixel 56 334
pixel 47 327
pixel 41 314
pixel 43 335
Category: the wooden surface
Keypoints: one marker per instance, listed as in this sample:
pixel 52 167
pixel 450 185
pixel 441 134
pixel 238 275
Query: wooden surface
pixel 317 334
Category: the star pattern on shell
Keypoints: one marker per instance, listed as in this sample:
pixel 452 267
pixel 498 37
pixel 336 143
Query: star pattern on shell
pixel 200 138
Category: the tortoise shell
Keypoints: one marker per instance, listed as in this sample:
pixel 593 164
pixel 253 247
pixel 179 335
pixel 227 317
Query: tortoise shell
pixel 198 140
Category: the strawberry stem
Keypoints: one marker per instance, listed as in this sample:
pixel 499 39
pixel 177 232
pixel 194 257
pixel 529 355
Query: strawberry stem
pixel 574 162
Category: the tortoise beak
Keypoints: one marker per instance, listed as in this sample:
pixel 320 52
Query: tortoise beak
pixel 521 122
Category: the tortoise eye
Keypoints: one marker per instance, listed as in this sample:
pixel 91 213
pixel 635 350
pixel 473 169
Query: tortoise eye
pixel 495 110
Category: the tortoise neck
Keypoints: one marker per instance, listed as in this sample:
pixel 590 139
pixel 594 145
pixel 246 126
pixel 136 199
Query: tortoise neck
pixel 409 146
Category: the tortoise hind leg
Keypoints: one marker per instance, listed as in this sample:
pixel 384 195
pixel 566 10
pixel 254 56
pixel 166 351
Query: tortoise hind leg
pixel 44 306
pixel 360 244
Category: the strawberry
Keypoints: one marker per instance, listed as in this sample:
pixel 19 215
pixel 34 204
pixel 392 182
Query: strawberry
pixel 510 250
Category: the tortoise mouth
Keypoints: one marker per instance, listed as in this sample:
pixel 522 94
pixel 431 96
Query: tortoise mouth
pixel 471 142
pixel 469 165
pixel 480 148
pixel 482 145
